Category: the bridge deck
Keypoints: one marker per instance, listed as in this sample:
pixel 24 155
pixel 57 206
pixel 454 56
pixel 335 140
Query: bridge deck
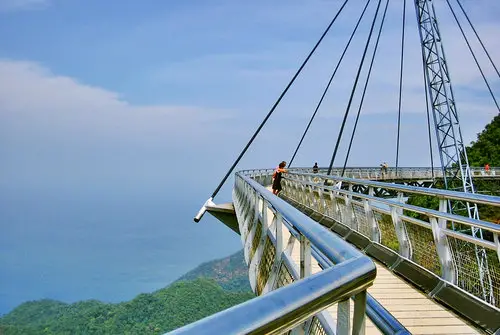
pixel 417 312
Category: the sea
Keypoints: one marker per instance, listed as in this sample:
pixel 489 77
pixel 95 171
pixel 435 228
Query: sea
pixel 102 244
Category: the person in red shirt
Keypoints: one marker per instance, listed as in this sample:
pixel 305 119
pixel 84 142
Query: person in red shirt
pixel 487 168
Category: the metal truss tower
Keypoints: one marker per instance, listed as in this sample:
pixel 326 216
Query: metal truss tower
pixel 454 162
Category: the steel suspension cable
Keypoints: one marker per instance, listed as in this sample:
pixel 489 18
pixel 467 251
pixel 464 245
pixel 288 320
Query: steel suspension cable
pixel 328 85
pixel 277 101
pixel 401 62
pixel 473 54
pixel 353 89
pixel 366 85
pixel 479 39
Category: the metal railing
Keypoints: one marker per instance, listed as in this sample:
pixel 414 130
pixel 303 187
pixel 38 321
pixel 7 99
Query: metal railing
pixel 401 173
pixel 298 298
pixel 422 235
pixel 290 297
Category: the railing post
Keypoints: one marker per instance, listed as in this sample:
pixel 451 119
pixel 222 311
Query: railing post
pixel 323 200
pixel 359 318
pixel 349 215
pixel 305 257
pixel 404 243
pixel 497 243
pixel 344 317
pixel 305 271
pixel 442 246
pixel 279 236
pixel 333 204
pixel 370 218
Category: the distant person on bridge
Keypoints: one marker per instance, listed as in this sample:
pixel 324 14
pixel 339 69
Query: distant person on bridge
pixel 487 168
pixel 383 167
pixel 277 178
pixel 315 168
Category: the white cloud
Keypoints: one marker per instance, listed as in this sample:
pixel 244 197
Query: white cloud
pixel 31 93
pixel 35 101
pixel 54 129
pixel 16 5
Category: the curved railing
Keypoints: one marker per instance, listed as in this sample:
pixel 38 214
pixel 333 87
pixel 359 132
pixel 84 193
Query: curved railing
pixel 269 228
pixel 411 241
pixel 422 236
pixel 401 173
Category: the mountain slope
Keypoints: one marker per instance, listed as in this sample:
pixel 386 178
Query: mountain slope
pixel 190 298
pixel 230 272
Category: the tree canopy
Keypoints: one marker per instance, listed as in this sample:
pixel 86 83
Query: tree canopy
pixel 206 290
pixel 486 149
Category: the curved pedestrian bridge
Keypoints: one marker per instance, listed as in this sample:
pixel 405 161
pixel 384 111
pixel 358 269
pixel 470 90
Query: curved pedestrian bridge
pixel 342 255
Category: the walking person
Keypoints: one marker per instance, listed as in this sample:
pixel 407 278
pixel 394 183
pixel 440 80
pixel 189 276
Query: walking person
pixel 315 168
pixel 277 178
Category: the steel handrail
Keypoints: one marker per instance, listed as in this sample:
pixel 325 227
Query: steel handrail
pixel 446 194
pixel 333 247
pixel 289 306
pixel 385 321
pixel 494 228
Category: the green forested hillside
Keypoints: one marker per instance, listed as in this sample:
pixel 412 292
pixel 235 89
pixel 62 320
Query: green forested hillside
pixel 181 303
pixel 231 272
pixel 486 150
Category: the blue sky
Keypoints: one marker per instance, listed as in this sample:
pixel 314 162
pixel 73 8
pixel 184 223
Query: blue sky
pixel 158 97
pixel 207 72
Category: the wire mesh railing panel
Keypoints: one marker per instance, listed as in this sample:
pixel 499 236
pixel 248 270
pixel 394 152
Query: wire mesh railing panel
pixel 468 272
pixel 284 277
pixel 250 219
pixel 388 235
pixel 316 327
pixel 494 269
pixel 423 247
pixel 265 266
pixel 362 224
pixel 256 240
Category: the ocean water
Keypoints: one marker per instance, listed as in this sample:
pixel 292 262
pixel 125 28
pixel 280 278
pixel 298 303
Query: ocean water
pixel 106 245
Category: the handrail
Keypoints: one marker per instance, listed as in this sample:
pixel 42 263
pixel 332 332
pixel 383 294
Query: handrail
pixel 289 306
pixel 384 320
pixel 485 199
pixel 447 194
pixel 333 247
pixel 292 304
pixel 430 242
pixel 297 224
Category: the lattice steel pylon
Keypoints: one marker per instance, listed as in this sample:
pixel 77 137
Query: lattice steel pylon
pixel 453 156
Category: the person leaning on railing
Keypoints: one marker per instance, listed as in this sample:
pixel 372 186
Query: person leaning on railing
pixel 277 175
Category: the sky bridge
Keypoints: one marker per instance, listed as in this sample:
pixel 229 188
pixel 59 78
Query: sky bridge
pixel 384 250
pixel 427 279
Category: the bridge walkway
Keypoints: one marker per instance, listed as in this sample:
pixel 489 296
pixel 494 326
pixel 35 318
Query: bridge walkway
pixel 417 312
